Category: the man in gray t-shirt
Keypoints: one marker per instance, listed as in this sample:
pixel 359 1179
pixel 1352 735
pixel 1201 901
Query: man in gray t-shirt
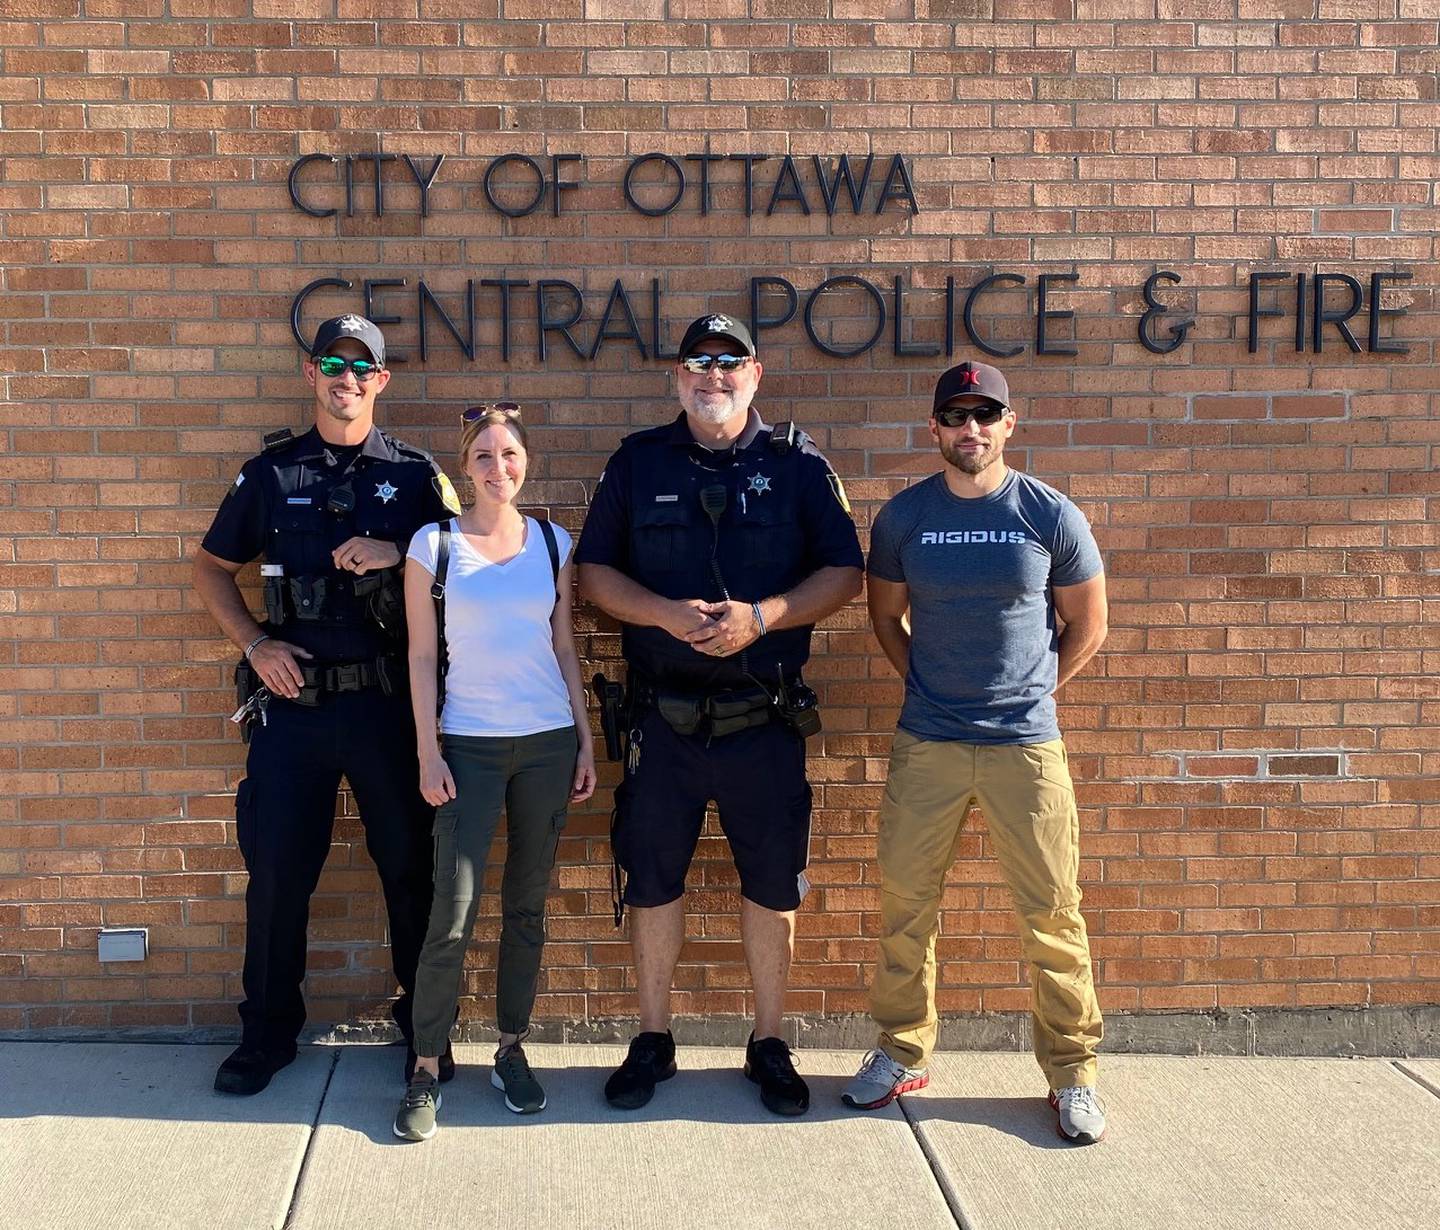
pixel 1005 592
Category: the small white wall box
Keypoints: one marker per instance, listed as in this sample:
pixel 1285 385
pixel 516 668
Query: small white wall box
pixel 124 943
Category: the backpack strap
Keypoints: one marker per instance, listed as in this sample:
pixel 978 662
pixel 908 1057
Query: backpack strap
pixel 437 592
pixel 553 548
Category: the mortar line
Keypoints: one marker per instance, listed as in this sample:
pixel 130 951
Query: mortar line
pixel 952 1198
pixel 1424 1084
pixel 289 1220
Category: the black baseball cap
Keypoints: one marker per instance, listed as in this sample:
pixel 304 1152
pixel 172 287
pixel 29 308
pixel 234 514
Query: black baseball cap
pixel 973 380
pixel 717 324
pixel 356 329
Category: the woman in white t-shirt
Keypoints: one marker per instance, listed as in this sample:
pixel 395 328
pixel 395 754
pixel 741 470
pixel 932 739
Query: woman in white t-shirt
pixel 512 734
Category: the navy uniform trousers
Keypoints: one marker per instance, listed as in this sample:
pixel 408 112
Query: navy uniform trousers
pixel 285 811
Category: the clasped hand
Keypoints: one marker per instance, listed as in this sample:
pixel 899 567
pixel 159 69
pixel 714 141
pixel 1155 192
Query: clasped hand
pixel 716 629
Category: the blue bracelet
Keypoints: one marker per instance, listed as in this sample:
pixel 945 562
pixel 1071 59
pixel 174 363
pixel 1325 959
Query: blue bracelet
pixel 759 618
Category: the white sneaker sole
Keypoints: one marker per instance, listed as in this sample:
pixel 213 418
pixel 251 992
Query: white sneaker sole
pixel 499 1084
pixel 395 1127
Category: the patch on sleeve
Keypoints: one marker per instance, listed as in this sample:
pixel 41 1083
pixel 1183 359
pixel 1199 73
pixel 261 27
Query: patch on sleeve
pixel 839 489
pixel 445 489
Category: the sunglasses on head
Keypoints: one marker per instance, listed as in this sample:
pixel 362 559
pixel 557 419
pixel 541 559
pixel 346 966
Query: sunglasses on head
pixel 702 363
pixel 334 365
pixel 985 416
pixel 473 414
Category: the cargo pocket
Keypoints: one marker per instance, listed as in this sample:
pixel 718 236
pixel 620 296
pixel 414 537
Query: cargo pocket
pixel 1049 762
pixel 446 856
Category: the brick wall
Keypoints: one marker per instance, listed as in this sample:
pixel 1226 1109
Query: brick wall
pixel 1256 749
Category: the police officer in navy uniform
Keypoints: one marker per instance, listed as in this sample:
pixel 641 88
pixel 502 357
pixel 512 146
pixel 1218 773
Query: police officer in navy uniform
pixel 718 542
pixel 323 684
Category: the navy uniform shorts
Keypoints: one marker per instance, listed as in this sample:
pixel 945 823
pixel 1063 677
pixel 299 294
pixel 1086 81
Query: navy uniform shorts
pixel 756 778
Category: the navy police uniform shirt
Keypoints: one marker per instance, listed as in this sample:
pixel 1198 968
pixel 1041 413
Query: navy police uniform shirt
pixel 785 516
pixel 301 498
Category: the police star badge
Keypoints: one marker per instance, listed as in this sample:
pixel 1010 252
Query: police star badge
pixel 759 484
pixel 386 491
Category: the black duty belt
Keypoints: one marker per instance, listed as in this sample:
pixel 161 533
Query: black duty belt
pixel 384 672
pixel 713 714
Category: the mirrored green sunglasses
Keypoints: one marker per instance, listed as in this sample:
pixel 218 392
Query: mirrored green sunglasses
pixel 333 365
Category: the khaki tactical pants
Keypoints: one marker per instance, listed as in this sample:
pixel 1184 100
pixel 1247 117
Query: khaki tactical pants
pixel 1026 794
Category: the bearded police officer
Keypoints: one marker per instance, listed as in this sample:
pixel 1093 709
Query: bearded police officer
pixel 718 542
pixel 323 691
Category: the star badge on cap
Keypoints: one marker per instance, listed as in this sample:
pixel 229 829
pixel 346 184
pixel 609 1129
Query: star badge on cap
pixel 352 324
pixel 719 323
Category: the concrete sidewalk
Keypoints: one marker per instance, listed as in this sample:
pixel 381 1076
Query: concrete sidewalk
pixel 125 1136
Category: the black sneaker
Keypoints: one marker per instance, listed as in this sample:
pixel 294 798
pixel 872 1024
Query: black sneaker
pixel 512 1075
pixel 651 1060
pixel 767 1063
pixel 248 1069
pixel 447 1063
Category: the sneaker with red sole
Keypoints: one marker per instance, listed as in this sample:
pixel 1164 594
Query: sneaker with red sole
pixel 880 1081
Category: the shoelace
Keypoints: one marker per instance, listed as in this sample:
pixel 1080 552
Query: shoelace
pixel 776 1059
pixel 513 1057
pixel 644 1051
pixel 878 1064
pixel 1080 1097
pixel 419 1091
pixel 512 1063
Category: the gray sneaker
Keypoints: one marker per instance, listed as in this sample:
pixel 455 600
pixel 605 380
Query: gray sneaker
pixel 415 1119
pixel 880 1081
pixel 512 1073
pixel 1082 1118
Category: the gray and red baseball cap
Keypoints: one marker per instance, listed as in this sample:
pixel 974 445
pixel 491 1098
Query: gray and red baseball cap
pixel 973 380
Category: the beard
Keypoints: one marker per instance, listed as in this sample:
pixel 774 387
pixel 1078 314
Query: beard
pixel 970 462
pixel 717 410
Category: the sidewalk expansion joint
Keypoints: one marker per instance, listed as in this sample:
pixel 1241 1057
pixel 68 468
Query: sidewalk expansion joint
pixel 310 1140
pixel 937 1171
pixel 1424 1084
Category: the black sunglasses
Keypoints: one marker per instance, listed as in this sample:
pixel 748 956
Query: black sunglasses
pixel 333 365
pixel 702 363
pixel 985 416
pixel 473 414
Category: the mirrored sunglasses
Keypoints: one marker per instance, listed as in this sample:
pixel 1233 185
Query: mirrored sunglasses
pixel 985 416
pixel 702 363
pixel 473 414
pixel 333 365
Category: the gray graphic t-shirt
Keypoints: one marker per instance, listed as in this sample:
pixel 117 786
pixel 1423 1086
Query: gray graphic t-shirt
pixel 984 646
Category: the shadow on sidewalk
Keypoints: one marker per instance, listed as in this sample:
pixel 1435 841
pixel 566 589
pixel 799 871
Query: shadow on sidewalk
pixel 359 1088
pixel 575 1096
pixel 1029 1120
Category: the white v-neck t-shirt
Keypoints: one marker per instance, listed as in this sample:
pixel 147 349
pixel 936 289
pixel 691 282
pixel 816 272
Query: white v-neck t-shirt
pixel 503 679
